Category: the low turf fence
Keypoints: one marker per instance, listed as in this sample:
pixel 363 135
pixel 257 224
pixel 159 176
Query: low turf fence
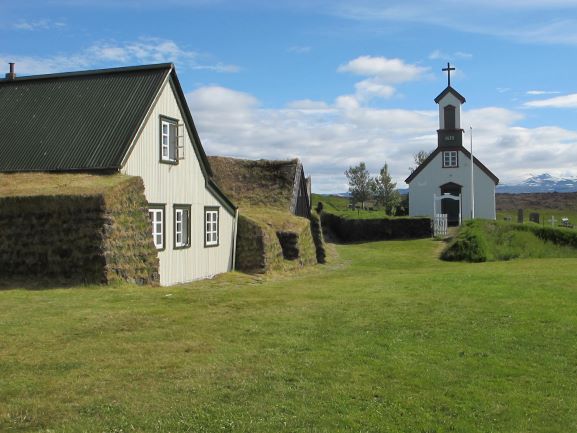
pixel 481 241
pixel 359 230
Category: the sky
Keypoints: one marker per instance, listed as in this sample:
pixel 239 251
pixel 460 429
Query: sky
pixel 337 82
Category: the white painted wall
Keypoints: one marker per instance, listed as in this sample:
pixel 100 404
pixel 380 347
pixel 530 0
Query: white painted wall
pixel 183 183
pixel 449 99
pixel 429 180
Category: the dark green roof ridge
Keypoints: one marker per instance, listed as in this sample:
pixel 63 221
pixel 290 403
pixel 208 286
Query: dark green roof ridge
pixel 87 72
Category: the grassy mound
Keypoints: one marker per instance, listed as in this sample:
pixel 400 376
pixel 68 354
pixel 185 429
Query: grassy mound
pixel 481 241
pixel 261 183
pixel 270 237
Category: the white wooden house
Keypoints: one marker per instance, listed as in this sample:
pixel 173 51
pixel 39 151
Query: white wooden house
pixel 442 183
pixel 133 121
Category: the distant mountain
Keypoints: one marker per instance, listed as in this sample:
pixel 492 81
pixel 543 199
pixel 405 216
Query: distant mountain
pixel 541 183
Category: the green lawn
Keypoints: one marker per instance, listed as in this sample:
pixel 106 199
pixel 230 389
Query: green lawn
pixel 387 338
pixel 340 206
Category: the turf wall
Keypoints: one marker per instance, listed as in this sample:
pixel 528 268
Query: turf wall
pixel 261 248
pixel 361 230
pixel 96 238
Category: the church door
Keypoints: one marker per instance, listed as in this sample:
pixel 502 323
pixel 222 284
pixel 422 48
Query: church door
pixel 451 207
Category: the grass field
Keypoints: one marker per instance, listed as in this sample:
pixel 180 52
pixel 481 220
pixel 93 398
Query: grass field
pixel 386 338
pixel 339 206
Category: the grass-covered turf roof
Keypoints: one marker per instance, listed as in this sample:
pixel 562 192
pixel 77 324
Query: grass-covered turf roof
pixel 262 183
pixel 33 184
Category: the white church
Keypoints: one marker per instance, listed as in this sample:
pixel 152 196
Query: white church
pixel 442 183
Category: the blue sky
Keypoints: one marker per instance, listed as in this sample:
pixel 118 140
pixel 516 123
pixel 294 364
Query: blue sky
pixel 334 82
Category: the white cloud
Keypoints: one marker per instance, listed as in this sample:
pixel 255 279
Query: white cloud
pixel 541 92
pixel 387 70
pixel 566 101
pixel 488 17
pixel 41 24
pixel 308 104
pixel 331 137
pixel 217 98
pixel 372 87
pixel 111 53
pixel 440 55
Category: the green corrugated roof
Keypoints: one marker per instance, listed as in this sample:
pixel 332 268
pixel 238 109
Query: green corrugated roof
pixel 74 121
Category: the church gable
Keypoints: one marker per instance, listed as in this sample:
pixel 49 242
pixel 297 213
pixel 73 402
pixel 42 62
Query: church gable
pixel 462 153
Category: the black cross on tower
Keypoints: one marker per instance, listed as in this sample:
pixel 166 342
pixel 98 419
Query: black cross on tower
pixel 448 69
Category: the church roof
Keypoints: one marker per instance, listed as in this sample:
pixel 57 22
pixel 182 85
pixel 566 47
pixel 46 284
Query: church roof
pixel 452 91
pixel 461 149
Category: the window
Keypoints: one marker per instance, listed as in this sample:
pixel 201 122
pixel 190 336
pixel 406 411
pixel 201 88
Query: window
pixel 449 114
pixel 450 159
pixel 156 214
pixel 168 140
pixel 181 226
pixel 210 227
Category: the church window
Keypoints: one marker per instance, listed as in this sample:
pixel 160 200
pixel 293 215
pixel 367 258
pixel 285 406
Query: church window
pixel 449 114
pixel 450 159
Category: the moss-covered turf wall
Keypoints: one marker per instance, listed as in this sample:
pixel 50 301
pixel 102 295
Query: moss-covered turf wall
pixel 359 230
pixel 273 240
pixel 93 238
pixel 269 236
pixel 318 238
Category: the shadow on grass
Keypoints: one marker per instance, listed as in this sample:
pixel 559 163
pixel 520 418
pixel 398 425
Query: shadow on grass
pixel 41 283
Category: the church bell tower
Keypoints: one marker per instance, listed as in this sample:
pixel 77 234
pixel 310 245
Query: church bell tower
pixel 449 100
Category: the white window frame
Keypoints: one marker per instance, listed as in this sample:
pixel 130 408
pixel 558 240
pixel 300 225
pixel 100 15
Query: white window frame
pixel 211 226
pixel 166 138
pixel 156 214
pixel 181 226
pixel 450 159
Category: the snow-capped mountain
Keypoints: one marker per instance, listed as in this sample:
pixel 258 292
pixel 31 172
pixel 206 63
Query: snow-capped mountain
pixel 541 183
